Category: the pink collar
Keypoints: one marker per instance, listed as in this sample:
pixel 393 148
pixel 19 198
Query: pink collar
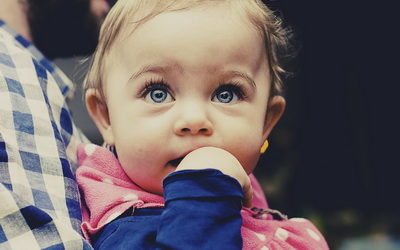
pixel 108 192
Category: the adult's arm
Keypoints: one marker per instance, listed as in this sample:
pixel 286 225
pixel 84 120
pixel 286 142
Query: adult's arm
pixel 39 199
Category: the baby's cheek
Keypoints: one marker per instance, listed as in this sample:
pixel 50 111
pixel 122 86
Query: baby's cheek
pixel 128 165
pixel 248 153
pixel 250 163
pixel 131 159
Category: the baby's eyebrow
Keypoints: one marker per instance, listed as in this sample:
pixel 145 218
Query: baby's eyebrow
pixel 235 73
pixel 150 68
pixel 164 69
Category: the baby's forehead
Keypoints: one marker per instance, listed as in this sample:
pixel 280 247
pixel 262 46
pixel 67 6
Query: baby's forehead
pixel 141 16
pixel 193 37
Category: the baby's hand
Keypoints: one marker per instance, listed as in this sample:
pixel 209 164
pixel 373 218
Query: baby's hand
pixel 222 160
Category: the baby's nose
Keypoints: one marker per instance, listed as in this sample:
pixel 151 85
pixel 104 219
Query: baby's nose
pixel 193 122
pixel 193 128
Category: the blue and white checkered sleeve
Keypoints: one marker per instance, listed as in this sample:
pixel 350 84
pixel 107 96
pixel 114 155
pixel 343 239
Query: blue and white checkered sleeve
pixel 39 198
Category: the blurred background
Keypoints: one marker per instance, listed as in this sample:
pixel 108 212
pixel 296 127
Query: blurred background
pixel 333 158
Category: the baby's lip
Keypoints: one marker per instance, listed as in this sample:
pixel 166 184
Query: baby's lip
pixel 175 162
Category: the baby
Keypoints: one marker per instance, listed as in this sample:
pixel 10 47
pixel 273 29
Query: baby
pixel 185 94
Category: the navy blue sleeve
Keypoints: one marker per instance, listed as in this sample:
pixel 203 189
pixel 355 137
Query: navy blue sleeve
pixel 202 211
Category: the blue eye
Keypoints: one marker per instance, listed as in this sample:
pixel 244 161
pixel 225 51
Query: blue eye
pixel 228 93
pixel 225 96
pixel 156 92
pixel 158 95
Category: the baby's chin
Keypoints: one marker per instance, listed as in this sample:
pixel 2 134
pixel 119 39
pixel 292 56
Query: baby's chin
pixel 151 182
pixel 154 189
pixel 152 185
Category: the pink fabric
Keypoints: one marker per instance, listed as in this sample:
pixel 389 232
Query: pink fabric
pixel 108 192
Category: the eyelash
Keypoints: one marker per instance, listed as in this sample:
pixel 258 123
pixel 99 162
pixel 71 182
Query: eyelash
pixel 153 84
pixel 235 87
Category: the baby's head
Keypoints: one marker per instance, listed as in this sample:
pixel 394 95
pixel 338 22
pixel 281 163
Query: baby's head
pixel 171 76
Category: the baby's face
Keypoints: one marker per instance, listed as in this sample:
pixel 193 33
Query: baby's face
pixel 185 80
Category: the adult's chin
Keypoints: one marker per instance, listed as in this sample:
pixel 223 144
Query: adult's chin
pixel 63 28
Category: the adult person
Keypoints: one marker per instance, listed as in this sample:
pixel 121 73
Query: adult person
pixel 40 205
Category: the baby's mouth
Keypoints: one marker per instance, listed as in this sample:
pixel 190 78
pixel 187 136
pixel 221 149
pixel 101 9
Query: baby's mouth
pixel 175 162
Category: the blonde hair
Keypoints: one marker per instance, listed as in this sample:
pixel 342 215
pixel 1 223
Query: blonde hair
pixel 124 11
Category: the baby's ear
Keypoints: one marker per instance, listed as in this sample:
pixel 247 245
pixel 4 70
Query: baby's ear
pixel 276 106
pixel 98 111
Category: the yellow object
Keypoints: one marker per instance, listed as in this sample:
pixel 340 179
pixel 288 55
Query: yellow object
pixel 264 147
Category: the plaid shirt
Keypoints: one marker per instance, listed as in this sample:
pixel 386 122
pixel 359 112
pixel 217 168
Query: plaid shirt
pixel 39 198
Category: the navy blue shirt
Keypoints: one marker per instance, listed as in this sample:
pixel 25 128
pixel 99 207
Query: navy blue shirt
pixel 202 211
